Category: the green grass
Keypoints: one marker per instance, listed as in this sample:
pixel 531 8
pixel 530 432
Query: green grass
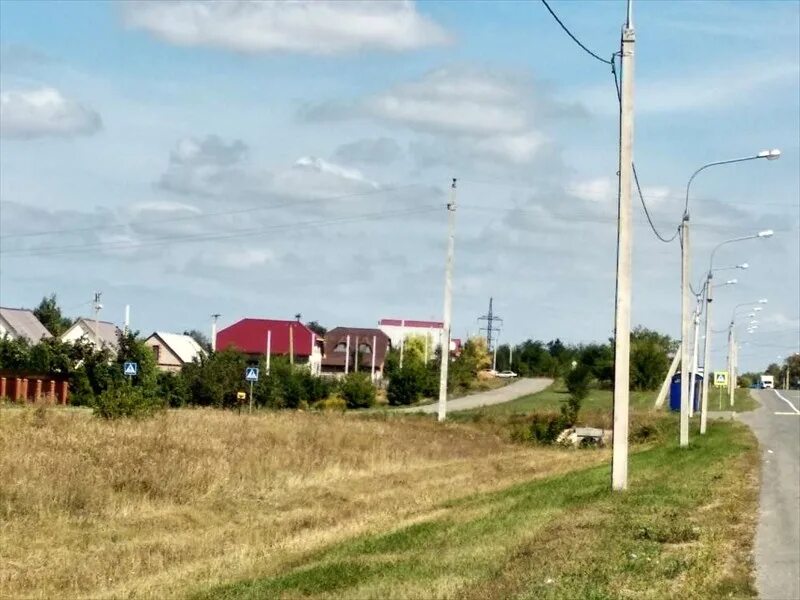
pixel 682 530
pixel 551 399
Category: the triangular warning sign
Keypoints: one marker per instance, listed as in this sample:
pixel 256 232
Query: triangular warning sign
pixel 130 369
pixel 720 378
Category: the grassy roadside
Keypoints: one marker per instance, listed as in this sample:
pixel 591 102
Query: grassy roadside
pixel 550 399
pixel 684 529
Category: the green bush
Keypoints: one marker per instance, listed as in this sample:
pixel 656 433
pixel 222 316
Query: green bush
pixel 404 387
pixel 173 389
pixel 539 428
pixel 125 401
pixel 357 390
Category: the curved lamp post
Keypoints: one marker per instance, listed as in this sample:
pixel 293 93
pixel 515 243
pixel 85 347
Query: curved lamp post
pixel 709 287
pixel 685 299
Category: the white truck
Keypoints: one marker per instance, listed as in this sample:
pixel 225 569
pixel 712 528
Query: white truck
pixel 766 382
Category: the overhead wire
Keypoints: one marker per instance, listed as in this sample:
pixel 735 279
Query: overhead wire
pixel 569 33
pixel 209 214
pixel 79 248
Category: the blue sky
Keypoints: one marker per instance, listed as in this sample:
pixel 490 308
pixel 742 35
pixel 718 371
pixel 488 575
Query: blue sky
pixel 267 159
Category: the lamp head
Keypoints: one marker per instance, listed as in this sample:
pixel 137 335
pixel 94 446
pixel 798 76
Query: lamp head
pixel 773 154
pixel 766 233
pixel 763 301
pixel 732 282
pixel 743 266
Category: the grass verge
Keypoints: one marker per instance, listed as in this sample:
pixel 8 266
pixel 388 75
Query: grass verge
pixel 684 529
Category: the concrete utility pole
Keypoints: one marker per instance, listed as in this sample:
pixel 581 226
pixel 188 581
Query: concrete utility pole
pixel 673 367
pixel 269 348
pixel 685 331
pixel 372 371
pixel 695 344
pixel 402 340
pixel 97 307
pixel 622 317
pixel 291 343
pixel 706 355
pixel 355 357
pixel 732 372
pixel 347 355
pixel 214 318
pixel 448 301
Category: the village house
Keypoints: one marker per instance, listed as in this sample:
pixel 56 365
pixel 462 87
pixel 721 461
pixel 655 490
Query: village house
pixel 257 337
pixel 16 323
pixel 94 332
pixel 350 349
pixel 173 350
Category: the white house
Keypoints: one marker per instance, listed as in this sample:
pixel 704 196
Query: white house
pixel 105 333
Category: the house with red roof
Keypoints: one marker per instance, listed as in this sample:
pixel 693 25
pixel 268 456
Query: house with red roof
pixel 257 337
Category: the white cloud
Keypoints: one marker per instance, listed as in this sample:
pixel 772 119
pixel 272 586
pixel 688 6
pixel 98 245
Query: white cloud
pixel 311 177
pixel 595 190
pixel 302 26
pixel 456 101
pixel 206 167
pixel 45 112
pixel 715 88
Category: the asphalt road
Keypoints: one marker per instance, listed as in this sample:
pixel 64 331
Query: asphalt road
pixel 521 387
pixel 777 426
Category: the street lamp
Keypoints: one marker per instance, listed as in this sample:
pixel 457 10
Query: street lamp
pixel 731 344
pixel 685 330
pixel 709 288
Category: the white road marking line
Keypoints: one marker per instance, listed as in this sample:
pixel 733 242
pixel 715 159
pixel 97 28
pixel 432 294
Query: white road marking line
pixel 788 414
pixel 794 408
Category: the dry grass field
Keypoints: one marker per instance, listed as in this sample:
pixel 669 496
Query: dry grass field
pixel 156 508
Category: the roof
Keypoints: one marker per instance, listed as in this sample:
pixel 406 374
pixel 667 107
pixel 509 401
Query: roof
pixel 411 323
pixel 183 346
pixel 250 336
pixel 106 331
pixel 23 323
pixel 365 335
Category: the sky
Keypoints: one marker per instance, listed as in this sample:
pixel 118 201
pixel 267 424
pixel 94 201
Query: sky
pixel 268 159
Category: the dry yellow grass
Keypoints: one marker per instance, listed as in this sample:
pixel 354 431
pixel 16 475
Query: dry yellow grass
pixel 155 508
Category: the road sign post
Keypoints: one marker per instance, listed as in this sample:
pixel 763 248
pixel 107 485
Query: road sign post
pixel 130 370
pixel 251 375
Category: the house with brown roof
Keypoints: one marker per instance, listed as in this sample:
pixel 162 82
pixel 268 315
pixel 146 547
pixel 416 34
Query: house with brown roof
pixel 173 350
pixel 16 323
pixel 350 349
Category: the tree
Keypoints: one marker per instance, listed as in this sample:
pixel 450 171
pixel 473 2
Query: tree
pixel 649 358
pixel 200 338
pixel 317 328
pixel 49 314
pixel 404 387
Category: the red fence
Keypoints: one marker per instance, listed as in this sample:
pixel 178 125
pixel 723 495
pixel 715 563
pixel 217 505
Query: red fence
pixel 34 388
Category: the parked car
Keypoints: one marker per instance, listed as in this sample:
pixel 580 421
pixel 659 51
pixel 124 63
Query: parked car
pixel 506 374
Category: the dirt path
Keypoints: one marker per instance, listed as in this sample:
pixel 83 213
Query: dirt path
pixel 522 387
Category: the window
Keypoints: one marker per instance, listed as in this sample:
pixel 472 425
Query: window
pixel 340 347
pixel 364 349
pixel 157 352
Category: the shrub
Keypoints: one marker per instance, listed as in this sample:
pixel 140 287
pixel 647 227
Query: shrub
pixel 540 428
pixel 332 403
pixel 357 390
pixel 173 389
pixel 578 381
pixel 404 387
pixel 125 401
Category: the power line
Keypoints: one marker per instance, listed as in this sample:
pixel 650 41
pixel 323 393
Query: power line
pixel 79 248
pixel 633 166
pixel 211 214
pixel 574 39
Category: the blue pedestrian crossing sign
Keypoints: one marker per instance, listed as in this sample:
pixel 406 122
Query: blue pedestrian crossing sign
pixel 130 369
pixel 251 374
